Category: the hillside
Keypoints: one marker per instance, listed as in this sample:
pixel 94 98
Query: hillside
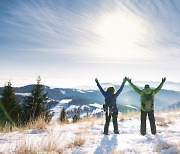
pixel 90 100
pixel 87 137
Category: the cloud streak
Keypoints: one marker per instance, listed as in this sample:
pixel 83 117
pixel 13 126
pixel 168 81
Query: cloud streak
pixel 61 28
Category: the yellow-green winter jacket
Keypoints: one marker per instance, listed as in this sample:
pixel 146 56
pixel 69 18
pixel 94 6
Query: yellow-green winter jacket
pixel 146 91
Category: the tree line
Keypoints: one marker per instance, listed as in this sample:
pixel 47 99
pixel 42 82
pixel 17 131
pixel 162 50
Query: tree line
pixel 33 107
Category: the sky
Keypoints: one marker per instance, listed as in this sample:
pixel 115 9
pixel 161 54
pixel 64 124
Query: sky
pixel 71 42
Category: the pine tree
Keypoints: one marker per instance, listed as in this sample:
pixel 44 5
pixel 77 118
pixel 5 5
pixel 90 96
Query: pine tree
pixel 63 117
pixel 87 115
pixel 35 105
pixel 9 107
pixel 76 117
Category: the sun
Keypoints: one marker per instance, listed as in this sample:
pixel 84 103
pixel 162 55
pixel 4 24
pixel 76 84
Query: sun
pixel 118 35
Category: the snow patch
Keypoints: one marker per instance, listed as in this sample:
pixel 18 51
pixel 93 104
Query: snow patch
pixel 63 92
pixel 78 90
pixel 23 94
pixel 96 105
pixel 65 101
pixel 131 106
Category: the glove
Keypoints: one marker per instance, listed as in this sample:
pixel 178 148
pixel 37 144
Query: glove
pixel 96 80
pixel 128 79
pixel 125 79
pixel 163 79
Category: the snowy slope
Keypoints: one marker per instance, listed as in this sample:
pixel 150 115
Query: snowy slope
pixel 57 109
pixel 129 140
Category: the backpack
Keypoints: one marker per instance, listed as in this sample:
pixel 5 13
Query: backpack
pixel 148 101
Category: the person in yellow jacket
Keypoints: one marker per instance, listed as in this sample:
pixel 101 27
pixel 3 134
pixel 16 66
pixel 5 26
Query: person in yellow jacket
pixel 147 104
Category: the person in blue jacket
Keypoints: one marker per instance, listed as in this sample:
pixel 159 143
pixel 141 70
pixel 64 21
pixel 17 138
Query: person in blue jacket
pixel 110 106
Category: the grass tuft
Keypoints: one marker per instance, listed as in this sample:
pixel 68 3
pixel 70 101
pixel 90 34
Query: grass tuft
pixel 78 141
pixel 24 147
pixel 128 115
pixel 162 121
pixel 43 146
pixel 115 151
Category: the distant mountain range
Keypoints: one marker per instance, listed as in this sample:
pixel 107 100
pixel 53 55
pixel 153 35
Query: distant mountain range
pixel 127 101
pixel 168 85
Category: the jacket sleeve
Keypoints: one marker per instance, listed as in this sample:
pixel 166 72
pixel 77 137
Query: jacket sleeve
pixel 120 89
pixel 158 88
pixel 101 89
pixel 136 89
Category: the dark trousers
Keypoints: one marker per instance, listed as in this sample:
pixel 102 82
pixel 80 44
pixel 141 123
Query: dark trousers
pixel 151 119
pixel 108 119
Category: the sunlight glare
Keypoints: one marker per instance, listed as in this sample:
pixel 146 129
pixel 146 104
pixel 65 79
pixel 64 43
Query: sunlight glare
pixel 119 36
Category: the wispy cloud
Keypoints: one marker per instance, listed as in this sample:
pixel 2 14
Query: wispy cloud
pixel 48 25
pixel 163 25
pixel 64 29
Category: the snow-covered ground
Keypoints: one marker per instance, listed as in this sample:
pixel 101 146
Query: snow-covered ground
pixel 166 141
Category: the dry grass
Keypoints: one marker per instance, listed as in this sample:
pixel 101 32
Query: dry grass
pixel 81 132
pixel 91 119
pixel 24 147
pixel 128 115
pixel 173 115
pixel 37 124
pixel 63 123
pixel 169 111
pixel 8 128
pixel 162 121
pixel 78 141
pixel 40 123
pixel 51 146
pixel 162 145
pixel 115 151
pixel 178 145
pixel 86 119
pixel 170 114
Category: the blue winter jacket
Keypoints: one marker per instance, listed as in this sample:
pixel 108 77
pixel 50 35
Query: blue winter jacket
pixel 110 99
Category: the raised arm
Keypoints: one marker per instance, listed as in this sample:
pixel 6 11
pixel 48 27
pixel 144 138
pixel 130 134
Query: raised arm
pixel 136 89
pixel 121 88
pixel 100 88
pixel 160 86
